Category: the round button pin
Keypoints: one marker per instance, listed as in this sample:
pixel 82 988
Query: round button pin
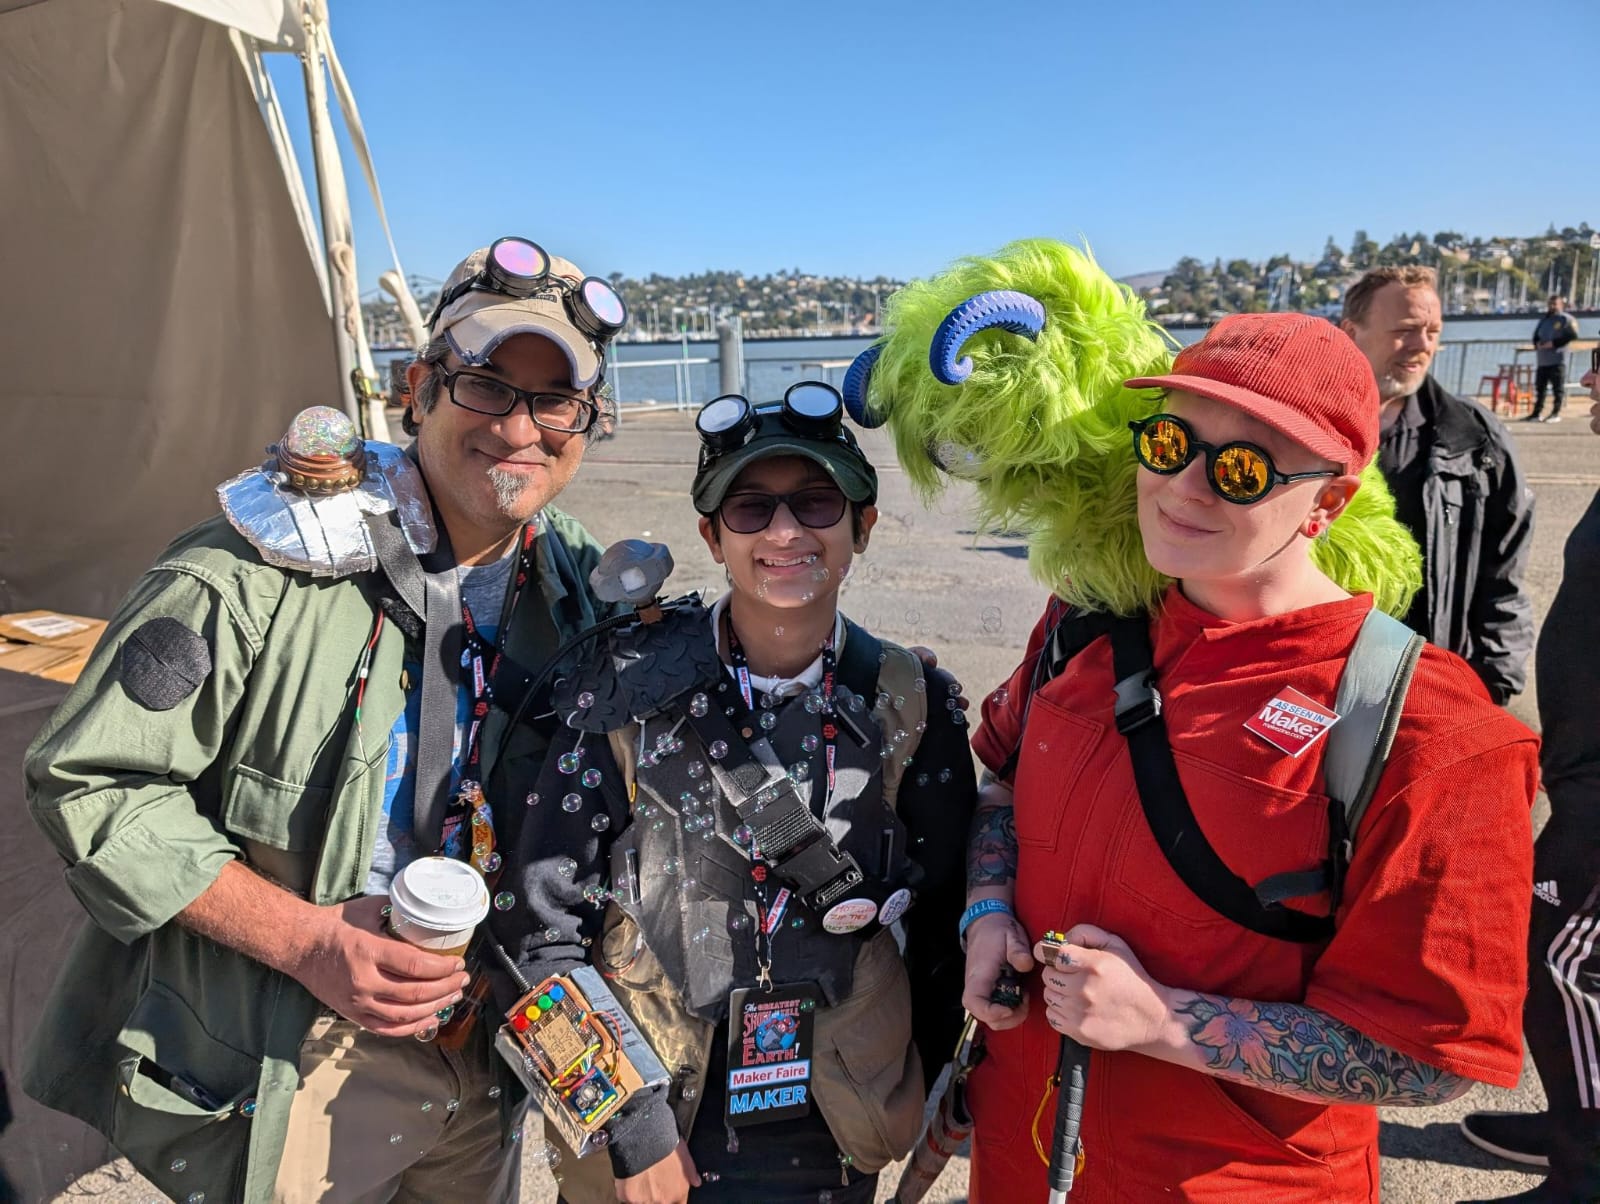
pixel 849 915
pixel 894 907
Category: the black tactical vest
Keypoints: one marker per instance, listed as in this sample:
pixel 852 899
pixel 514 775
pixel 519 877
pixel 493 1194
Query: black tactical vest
pixel 683 874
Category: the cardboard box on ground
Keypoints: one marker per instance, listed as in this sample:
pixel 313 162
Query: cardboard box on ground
pixel 48 644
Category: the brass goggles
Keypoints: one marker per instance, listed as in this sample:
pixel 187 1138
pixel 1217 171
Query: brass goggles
pixel 518 268
pixel 1237 472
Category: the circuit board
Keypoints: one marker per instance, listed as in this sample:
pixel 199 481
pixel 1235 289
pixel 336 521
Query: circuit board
pixel 574 1049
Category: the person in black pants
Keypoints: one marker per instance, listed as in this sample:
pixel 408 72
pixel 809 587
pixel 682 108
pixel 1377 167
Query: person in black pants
pixel 1561 1017
pixel 1550 338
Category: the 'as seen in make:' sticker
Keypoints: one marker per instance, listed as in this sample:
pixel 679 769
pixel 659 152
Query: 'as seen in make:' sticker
pixel 1291 722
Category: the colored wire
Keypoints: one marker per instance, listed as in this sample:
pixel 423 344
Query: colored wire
pixel 1038 1145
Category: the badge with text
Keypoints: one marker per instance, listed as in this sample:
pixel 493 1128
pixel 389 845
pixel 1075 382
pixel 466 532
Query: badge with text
pixel 769 1053
pixel 849 915
pixel 1291 721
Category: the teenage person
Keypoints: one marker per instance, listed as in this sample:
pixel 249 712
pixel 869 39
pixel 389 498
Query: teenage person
pixel 777 736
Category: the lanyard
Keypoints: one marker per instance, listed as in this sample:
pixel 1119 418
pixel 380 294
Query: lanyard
pixel 480 661
pixel 769 914
pixel 830 677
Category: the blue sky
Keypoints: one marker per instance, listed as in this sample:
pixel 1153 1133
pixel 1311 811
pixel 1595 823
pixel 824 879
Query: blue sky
pixel 865 138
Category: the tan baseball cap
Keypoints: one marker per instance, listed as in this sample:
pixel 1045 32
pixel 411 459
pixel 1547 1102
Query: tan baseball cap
pixel 479 320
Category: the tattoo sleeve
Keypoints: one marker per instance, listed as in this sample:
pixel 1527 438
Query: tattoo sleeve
pixel 1297 1050
pixel 992 847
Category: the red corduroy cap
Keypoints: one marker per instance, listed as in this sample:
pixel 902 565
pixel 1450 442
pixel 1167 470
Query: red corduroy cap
pixel 1301 375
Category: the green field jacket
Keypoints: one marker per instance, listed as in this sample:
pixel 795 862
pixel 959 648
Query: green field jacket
pixel 265 762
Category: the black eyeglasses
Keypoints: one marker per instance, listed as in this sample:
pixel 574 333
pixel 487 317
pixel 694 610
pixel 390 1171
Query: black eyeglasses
pixel 489 395
pixel 817 506
pixel 1237 472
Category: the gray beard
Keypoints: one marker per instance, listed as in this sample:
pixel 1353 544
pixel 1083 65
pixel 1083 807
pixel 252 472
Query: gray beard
pixel 1391 387
pixel 508 489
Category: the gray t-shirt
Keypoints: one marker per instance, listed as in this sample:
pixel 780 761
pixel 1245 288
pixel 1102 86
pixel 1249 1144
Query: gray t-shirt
pixel 483 591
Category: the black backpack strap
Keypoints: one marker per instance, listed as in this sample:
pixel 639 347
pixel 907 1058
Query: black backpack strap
pixel 859 661
pixel 1166 807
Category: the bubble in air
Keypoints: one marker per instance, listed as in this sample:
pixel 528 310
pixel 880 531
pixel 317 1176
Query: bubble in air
pixel 585 700
pixel 504 901
pixel 494 1092
pixel 739 922
pixel 568 762
pixel 600 822
pixel 768 721
pixel 572 802
pixel 699 705
pixel 718 749
pixel 452 1105
pixel 566 867
pixel 944 775
pixel 696 769
pixel 179 1165
pixel 533 798
pixel 395 1139
pixel 809 743
pixel 591 778
pixel 742 836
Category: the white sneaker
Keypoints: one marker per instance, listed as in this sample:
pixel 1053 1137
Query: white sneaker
pixel 1553 418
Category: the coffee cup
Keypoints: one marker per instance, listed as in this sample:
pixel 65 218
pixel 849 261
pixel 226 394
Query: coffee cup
pixel 436 903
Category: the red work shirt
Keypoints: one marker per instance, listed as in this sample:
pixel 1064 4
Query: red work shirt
pixel 1428 956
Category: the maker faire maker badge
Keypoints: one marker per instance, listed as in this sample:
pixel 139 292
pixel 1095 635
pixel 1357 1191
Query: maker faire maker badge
pixel 1292 722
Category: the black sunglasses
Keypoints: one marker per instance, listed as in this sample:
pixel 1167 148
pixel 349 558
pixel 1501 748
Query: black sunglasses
pixel 494 397
pixel 1237 472
pixel 816 506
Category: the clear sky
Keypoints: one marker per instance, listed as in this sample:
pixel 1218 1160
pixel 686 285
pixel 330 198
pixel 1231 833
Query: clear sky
pixel 865 138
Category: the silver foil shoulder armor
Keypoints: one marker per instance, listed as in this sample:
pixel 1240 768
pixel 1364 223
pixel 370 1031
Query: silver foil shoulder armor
pixel 322 530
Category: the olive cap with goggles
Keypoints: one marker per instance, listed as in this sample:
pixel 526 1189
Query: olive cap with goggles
pixel 808 422
pixel 513 286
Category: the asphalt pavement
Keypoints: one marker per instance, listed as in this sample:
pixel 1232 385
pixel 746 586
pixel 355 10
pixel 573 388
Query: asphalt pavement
pixel 929 578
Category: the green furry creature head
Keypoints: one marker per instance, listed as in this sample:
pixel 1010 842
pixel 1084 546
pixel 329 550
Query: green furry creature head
pixel 1039 423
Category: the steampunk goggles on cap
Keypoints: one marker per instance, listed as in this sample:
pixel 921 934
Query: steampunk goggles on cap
pixel 1237 472
pixel 810 409
pixel 519 268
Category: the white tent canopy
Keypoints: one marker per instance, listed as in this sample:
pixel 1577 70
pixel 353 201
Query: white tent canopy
pixel 170 301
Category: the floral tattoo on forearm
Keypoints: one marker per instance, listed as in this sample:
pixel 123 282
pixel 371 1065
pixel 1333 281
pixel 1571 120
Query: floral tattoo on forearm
pixel 992 848
pixel 1296 1050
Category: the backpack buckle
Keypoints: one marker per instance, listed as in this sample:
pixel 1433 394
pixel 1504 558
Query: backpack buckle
pixel 1138 701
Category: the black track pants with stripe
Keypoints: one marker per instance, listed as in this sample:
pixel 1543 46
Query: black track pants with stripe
pixel 1561 1018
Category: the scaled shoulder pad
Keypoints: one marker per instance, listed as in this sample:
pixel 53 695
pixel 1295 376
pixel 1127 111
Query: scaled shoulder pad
pixel 640 670
pixel 296 525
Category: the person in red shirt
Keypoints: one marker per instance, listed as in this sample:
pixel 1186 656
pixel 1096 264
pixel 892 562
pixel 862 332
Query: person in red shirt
pixel 1227 1065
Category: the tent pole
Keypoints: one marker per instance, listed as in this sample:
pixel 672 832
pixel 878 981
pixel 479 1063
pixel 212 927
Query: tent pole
pixel 322 145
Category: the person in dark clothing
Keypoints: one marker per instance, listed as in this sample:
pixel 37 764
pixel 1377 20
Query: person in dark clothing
pixel 1550 338
pixel 1559 1016
pixel 1456 483
pixel 759 733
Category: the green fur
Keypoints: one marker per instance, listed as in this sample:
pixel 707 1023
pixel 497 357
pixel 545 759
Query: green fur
pixel 1041 430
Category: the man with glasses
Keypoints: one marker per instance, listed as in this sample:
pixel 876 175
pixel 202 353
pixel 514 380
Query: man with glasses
pixel 264 740
pixel 1457 487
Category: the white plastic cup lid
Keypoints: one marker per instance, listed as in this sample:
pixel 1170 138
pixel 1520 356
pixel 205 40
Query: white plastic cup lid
pixel 440 893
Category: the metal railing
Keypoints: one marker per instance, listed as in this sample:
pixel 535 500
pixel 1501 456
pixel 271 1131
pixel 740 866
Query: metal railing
pixel 1460 366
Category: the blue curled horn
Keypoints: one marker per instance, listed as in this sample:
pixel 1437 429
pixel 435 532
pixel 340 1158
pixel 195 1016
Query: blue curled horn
pixel 1004 309
pixel 854 388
